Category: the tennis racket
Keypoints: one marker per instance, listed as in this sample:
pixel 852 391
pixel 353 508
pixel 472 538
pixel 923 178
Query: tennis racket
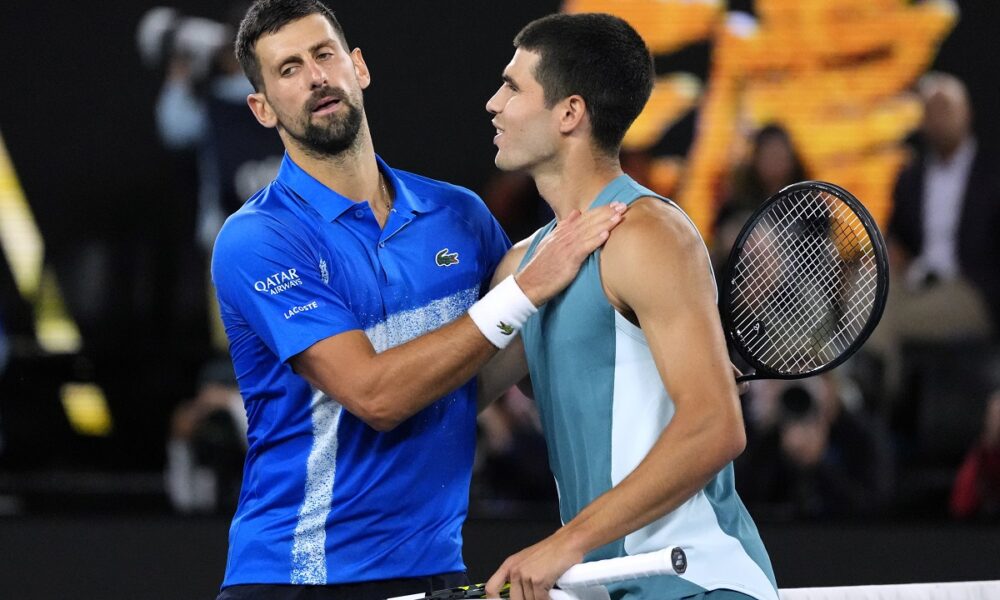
pixel 581 581
pixel 806 282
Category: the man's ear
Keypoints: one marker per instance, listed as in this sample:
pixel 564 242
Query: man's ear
pixel 361 69
pixel 572 112
pixel 262 110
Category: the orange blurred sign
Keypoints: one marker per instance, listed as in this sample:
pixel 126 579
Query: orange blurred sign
pixel 834 73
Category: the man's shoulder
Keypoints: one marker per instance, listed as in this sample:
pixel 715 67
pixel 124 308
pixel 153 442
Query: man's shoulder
pixel 652 230
pixel 266 217
pixel 653 216
pixel 441 193
pixel 246 224
pixel 272 206
pixel 421 183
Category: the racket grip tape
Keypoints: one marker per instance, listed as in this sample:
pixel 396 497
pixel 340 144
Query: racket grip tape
pixel 669 561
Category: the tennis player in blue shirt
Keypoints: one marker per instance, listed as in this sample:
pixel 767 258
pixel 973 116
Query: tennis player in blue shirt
pixel 352 294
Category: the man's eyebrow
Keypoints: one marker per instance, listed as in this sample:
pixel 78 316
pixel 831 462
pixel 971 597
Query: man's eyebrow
pixel 508 79
pixel 295 58
pixel 318 45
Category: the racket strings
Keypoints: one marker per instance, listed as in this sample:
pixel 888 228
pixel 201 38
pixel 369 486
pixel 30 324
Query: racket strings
pixel 825 292
pixel 810 301
pixel 808 274
pixel 820 290
pixel 794 306
pixel 785 246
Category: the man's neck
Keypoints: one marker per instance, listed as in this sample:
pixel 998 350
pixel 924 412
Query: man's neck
pixel 572 182
pixel 353 173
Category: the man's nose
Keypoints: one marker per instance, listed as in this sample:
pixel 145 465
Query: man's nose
pixel 317 76
pixel 493 105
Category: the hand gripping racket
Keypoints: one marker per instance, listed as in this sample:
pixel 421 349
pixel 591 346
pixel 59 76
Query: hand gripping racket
pixel 581 581
pixel 806 282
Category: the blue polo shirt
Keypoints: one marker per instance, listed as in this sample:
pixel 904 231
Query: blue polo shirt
pixel 326 499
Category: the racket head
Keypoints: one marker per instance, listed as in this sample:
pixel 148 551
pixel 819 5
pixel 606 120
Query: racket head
pixel 847 275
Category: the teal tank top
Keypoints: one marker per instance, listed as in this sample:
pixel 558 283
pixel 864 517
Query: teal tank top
pixel 602 406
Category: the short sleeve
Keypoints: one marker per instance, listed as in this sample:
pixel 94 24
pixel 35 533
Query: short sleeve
pixel 278 283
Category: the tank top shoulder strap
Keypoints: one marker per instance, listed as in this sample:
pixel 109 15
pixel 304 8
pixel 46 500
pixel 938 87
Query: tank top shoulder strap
pixel 626 190
pixel 622 189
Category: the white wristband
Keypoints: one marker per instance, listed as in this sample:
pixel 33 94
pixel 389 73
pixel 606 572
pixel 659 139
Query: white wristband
pixel 502 312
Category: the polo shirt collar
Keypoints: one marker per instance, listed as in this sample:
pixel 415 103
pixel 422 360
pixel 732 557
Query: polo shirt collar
pixel 332 205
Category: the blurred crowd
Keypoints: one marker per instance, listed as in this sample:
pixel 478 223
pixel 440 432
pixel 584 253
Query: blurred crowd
pixel 910 426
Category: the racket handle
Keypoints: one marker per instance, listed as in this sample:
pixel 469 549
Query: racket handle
pixel 619 569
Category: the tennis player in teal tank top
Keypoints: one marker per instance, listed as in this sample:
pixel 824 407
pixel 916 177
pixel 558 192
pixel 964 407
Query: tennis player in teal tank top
pixel 628 365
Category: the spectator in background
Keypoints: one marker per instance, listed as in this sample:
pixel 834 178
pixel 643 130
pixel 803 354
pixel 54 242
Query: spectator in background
pixel 207 445
pixel 206 110
pixel 943 242
pixel 976 491
pixel 773 163
pixel 202 108
pixel 813 452
pixel 943 229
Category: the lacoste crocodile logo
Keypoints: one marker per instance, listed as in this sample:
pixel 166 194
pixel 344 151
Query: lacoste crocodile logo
pixel 505 328
pixel 445 259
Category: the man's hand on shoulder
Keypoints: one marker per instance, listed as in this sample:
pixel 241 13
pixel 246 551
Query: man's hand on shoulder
pixel 558 257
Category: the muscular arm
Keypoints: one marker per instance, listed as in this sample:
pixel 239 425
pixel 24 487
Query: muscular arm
pixel 384 389
pixel 658 269
pixel 655 268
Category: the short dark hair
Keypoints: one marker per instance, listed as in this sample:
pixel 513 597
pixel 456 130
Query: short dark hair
pixel 601 58
pixel 268 16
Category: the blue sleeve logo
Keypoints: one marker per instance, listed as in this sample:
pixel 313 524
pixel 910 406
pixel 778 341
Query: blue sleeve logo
pixel 278 282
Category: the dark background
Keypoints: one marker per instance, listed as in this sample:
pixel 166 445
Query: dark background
pixel 117 211
pixel 76 114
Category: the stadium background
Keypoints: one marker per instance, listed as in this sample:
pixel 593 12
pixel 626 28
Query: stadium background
pixel 86 512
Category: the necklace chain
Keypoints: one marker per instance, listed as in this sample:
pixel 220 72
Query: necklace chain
pixel 385 192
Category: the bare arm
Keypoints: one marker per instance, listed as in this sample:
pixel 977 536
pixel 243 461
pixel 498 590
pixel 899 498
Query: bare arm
pixel 654 261
pixel 509 366
pixel 384 389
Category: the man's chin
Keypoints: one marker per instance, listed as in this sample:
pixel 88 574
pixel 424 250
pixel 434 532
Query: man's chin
pixel 504 164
